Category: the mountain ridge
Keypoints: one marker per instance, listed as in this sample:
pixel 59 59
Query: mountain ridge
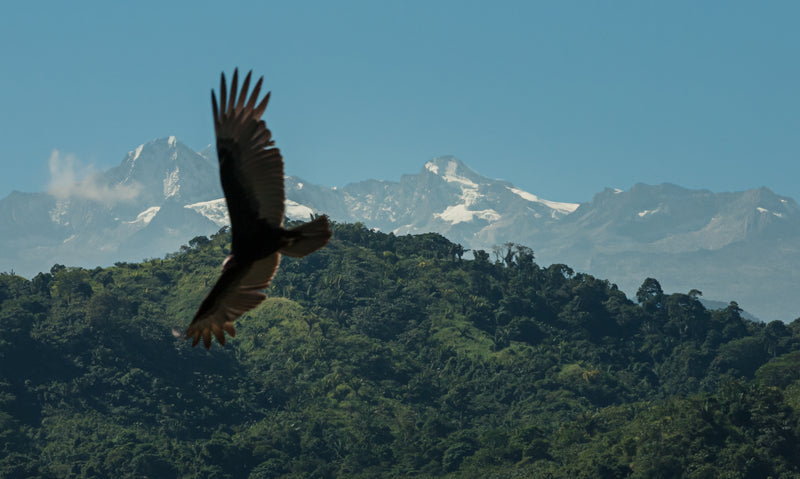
pixel 731 245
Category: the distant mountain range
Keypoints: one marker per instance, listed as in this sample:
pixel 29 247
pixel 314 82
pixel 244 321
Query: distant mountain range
pixel 742 246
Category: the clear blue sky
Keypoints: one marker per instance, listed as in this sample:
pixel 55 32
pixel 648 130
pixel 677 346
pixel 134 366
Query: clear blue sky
pixel 561 98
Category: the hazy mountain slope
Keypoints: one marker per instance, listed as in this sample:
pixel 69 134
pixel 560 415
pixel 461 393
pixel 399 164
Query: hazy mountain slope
pixel 446 197
pixel 739 245
pixel 75 228
pixel 742 245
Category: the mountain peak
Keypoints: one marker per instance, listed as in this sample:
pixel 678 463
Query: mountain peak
pixel 729 245
pixel 439 164
pixel 167 168
pixel 452 170
pixel 153 147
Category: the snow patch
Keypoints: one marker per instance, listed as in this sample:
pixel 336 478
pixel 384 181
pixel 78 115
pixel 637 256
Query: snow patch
pixel 171 185
pixel 469 189
pixel 133 155
pixel 617 191
pixel 764 210
pixel 215 210
pixel 450 175
pixel 565 208
pixel 460 214
pixel 470 195
pixel 644 213
pixel 171 142
pixel 136 153
pixel 297 211
pixel 146 216
pixel 72 237
pixel 58 213
pixel 299 186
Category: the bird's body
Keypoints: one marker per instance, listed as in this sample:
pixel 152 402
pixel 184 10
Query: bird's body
pixel 251 171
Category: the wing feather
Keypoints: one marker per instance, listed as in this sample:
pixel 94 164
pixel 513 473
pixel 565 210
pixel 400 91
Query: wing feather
pixel 223 94
pixel 243 96
pixel 234 89
pixel 237 291
pixel 251 171
pixel 263 106
pixel 254 95
pixel 251 168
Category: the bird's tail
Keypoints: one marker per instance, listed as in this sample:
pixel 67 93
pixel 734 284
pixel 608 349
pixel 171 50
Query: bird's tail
pixel 308 237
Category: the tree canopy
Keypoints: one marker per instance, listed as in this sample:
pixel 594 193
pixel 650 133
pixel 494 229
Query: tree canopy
pixel 389 356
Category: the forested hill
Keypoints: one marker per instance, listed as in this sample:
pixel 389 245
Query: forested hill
pixel 387 356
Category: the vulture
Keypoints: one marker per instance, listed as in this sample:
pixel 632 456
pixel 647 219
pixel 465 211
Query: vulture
pixel 251 171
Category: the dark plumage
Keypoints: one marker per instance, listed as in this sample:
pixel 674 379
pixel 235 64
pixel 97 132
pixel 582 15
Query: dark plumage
pixel 251 170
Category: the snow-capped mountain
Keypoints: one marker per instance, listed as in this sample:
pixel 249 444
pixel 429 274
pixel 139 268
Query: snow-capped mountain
pixel 162 185
pixel 742 246
pixel 445 197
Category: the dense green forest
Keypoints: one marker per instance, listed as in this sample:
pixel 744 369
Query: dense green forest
pixel 389 356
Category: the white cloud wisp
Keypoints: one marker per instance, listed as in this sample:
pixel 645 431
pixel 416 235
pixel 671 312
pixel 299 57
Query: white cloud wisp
pixel 70 179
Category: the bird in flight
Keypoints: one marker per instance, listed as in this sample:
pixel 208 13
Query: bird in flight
pixel 251 170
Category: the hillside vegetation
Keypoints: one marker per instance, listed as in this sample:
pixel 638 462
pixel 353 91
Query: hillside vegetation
pixel 389 356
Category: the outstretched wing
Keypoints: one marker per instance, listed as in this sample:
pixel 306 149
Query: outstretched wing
pixel 251 168
pixel 251 171
pixel 236 292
